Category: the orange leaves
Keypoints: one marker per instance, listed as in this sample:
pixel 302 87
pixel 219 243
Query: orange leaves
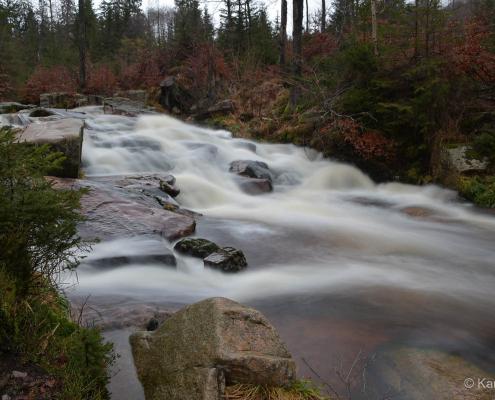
pixel 101 80
pixel 469 54
pixel 45 80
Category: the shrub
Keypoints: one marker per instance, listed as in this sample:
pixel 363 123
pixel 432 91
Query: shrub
pixel 45 80
pixel 480 191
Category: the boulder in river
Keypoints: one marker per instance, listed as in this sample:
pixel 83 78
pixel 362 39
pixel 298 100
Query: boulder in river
pixel 226 259
pixel 251 169
pixel 208 345
pixel 114 212
pixel 64 135
pixel 255 186
pixel 196 247
pixel 165 258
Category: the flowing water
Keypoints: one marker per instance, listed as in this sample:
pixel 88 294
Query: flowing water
pixel 347 270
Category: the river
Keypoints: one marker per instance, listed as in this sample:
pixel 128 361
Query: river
pixel 363 281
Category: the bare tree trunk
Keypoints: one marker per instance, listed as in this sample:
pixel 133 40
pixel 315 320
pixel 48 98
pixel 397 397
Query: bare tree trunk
pixel 82 45
pixel 323 16
pixel 283 32
pixel 374 30
pixel 297 21
pixel 307 16
pixel 416 28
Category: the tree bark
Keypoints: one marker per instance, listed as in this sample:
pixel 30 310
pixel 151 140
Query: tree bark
pixel 323 16
pixel 283 32
pixel 82 44
pixel 297 21
pixel 307 16
pixel 374 28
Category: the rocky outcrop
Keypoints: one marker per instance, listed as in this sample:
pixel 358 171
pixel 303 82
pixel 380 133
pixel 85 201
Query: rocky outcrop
pixel 208 345
pixel 251 169
pixel 13 107
pixel 125 106
pixel 173 97
pixel 226 259
pixel 112 211
pixel 65 136
pixel 196 247
pixel 451 162
pixel 140 96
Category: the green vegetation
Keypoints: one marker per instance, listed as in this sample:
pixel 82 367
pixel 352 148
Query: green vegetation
pixel 480 190
pixel 300 390
pixel 38 242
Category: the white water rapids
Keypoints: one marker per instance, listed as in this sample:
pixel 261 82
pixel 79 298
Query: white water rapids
pixel 340 265
pixel 331 227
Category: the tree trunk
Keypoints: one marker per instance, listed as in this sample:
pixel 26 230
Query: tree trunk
pixel 307 17
pixel 416 28
pixel 283 32
pixel 374 30
pixel 297 21
pixel 323 16
pixel 82 45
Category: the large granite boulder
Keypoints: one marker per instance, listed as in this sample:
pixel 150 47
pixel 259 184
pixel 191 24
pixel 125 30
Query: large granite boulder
pixel 64 135
pixel 208 345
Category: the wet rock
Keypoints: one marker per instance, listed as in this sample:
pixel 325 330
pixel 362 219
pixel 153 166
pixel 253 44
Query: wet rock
pixel 226 259
pixel 13 107
pixel 116 212
pixel 251 169
pixel 65 136
pixel 167 259
pixel 408 373
pixel 458 159
pixel 140 96
pixel 124 106
pixel 40 112
pixel 196 247
pixel 169 189
pixel 255 186
pixel 206 345
pixel 61 100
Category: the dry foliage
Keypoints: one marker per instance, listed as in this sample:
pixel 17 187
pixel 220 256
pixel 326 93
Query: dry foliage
pixel 257 392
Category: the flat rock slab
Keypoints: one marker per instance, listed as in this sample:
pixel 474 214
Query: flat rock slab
pixel 64 135
pixel 113 212
pixel 208 345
